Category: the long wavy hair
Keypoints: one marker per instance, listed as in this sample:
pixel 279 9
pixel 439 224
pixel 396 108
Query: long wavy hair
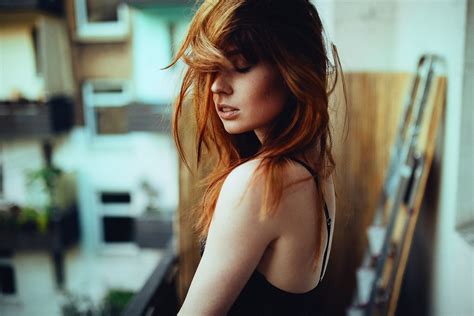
pixel 287 34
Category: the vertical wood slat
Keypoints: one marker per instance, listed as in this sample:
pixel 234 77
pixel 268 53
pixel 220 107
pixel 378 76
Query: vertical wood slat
pixel 188 257
pixel 190 193
pixel 362 154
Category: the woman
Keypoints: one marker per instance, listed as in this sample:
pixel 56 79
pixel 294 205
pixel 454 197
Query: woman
pixel 258 71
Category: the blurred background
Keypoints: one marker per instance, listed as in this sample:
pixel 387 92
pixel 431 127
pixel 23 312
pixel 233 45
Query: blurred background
pixel 92 193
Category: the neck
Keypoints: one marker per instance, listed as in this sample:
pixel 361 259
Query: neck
pixel 260 133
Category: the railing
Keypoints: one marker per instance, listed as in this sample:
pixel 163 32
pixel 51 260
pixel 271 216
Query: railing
pixel 158 296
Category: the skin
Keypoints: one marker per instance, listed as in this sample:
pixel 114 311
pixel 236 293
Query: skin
pixel 239 242
pixel 257 91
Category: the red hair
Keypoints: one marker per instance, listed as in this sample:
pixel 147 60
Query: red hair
pixel 287 34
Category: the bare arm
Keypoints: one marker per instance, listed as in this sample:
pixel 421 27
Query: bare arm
pixel 235 244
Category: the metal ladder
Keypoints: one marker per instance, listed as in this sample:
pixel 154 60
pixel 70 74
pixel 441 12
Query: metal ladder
pixel 374 284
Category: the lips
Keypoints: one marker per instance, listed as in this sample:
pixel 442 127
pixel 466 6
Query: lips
pixel 227 112
pixel 226 108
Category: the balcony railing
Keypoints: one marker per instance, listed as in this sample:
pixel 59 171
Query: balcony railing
pixel 158 296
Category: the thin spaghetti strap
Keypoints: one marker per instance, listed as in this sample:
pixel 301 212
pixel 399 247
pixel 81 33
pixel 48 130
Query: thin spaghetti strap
pixel 307 167
pixel 328 226
pixel 326 213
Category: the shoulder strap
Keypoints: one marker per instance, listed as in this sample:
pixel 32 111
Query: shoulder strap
pixel 326 213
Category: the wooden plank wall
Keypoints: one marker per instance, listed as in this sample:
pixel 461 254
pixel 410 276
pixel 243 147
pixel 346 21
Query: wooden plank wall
pixel 362 149
pixel 187 243
pixel 189 195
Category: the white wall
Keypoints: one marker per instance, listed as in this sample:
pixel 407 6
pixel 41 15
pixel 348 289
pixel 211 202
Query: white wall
pixel 365 33
pixel 17 64
pixel 123 163
pixel 152 52
pixel 20 157
pixel 465 209
pixel 390 36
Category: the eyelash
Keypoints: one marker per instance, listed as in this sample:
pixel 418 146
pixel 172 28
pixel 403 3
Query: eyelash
pixel 243 70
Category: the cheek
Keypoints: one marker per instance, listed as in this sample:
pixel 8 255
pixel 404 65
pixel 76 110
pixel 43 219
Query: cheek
pixel 271 96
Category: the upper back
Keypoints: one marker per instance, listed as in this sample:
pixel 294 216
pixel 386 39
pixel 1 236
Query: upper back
pixel 288 261
pixel 247 256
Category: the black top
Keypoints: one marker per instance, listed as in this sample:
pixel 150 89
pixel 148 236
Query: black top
pixel 260 297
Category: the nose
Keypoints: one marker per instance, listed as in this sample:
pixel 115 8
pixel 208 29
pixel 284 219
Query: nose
pixel 220 85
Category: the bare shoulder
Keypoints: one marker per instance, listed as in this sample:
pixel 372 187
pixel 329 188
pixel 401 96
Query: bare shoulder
pixel 242 174
pixel 250 170
pixel 297 172
pixel 248 179
pixel 242 187
pixel 245 184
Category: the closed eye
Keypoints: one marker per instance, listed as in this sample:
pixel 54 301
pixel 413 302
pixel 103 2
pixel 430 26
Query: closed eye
pixel 241 65
pixel 243 69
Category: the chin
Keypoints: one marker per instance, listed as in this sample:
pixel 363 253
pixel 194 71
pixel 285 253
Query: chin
pixel 234 129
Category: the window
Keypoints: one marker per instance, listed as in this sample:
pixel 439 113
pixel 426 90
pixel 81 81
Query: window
pixel 105 102
pixel 102 11
pixel 101 20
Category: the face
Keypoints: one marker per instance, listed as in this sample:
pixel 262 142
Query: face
pixel 248 96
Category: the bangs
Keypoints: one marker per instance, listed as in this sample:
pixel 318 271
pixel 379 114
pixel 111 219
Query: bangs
pixel 219 28
pixel 205 55
pixel 248 43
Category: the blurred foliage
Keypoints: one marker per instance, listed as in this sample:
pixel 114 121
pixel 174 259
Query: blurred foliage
pixel 60 190
pixel 24 219
pixel 114 303
pixel 79 305
pixel 48 178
